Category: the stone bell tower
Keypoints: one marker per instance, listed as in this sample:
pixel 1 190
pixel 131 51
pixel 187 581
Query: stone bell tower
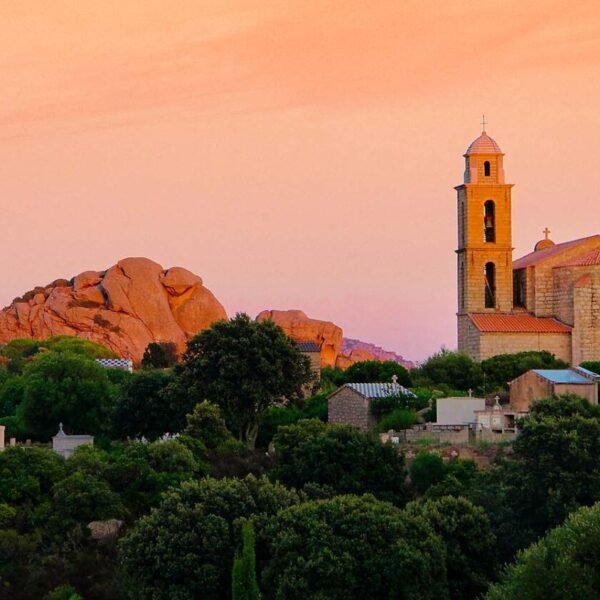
pixel 484 254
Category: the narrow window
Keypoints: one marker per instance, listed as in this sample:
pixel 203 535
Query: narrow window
pixel 486 168
pixel 519 288
pixel 489 221
pixel 489 276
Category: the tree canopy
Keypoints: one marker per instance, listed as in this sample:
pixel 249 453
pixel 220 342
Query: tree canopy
pixel 244 366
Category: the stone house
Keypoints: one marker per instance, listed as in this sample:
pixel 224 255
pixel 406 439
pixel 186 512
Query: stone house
pixel 548 299
pixel 542 383
pixel 351 403
pixel 312 350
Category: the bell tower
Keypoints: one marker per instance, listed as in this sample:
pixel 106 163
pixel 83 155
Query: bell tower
pixel 484 254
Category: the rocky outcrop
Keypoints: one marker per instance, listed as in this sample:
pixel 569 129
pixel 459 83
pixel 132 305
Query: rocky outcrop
pixel 301 328
pixel 336 351
pixel 356 351
pixel 124 308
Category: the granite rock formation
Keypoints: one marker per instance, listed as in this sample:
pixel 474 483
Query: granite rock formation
pixel 126 307
pixel 336 351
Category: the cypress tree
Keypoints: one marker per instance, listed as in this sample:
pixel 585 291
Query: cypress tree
pixel 243 575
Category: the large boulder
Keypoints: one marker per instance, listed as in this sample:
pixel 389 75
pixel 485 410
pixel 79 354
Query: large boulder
pixel 124 308
pixel 301 328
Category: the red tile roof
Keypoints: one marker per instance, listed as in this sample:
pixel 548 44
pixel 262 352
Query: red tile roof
pixel 587 260
pixel 509 323
pixel 533 258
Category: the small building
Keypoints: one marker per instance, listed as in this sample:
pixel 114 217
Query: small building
pixel 65 445
pixel 497 418
pixel 458 410
pixel 312 350
pixel 351 404
pixel 543 383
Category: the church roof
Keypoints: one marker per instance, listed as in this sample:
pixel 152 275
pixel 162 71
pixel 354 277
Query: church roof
pixel 484 144
pixel 536 257
pixel 517 323
pixel 586 260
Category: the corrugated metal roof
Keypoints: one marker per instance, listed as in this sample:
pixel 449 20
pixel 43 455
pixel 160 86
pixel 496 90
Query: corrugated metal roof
pixel 534 258
pixel 586 260
pixel 484 144
pixel 587 373
pixel 563 376
pixel 308 347
pixel 379 390
pixel 514 323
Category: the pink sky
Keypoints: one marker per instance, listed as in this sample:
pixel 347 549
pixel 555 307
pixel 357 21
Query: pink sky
pixel 293 154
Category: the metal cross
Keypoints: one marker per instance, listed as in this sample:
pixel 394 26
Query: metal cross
pixel 483 124
pixel 546 232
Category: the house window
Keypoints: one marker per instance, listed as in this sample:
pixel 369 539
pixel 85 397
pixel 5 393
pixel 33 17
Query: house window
pixel 489 221
pixel 489 277
pixel 486 168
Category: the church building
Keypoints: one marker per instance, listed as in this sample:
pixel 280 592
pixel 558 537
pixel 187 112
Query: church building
pixel 546 300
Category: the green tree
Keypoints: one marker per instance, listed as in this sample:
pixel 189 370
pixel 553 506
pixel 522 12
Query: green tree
pixel 243 575
pixel 185 548
pixel 456 370
pixel 375 371
pixel 564 565
pixel 244 366
pixel 82 498
pixel 470 544
pixel 502 368
pixel 349 548
pixel 341 457
pixel 397 420
pixel 64 592
pixel 11 395
pixel 142 409
pixel 67 388
pixel 427 469
pixel 160 355
pixel 206 424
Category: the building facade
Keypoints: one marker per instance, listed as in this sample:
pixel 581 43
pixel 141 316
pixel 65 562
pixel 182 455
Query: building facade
pixel 546 300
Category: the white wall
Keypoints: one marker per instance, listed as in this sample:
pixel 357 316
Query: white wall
pixel 458 411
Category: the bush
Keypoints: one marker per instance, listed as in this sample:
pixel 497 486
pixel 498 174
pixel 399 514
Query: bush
pixel 426 470
pixel 452 369
pixel 205 423
pixel 398 420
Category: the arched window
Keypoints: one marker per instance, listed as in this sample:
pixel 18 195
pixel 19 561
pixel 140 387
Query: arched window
pixel 489 277
pixel 486 168
pixel 489 221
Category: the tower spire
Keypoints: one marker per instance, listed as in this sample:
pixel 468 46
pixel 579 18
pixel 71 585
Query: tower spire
pixel 483 124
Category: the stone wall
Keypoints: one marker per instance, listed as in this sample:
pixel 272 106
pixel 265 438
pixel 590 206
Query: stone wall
pixel 348 407
pixel 589 391
pixel 558 344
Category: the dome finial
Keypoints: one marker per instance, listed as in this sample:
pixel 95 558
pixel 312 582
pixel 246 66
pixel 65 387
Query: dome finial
pixel 483 124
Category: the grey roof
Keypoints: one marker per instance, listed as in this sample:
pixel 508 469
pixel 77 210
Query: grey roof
pixel 379 390
pixel 563 376
pixel 587 373
pixel 126 364
pixel 308 347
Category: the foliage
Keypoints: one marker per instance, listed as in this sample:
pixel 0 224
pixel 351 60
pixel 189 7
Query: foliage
pixel 11 395
pixel 274 417
pixel 332 378
pixel 185 548
pixel 244 366
pixel 388 404
pixel 243 575
pixel 67 388
pixel 398 420
pixel 350 548
pixel 142 409
pixel 338 456
pixel 470 543
pixel 502 368
pixel 376 371
pixel 159 355
pixel 563 565
pixel 82 498
pixel 454 369
pixel 426 470
pixel 64 592
pixel 206 424
pixel 591 365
